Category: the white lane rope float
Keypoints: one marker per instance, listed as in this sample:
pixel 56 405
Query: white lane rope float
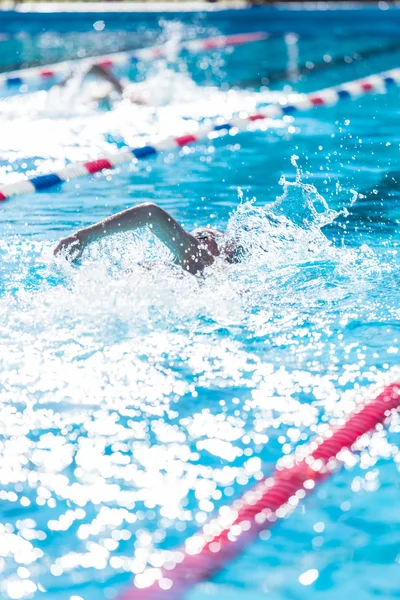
pixel 331 96
pixel 14 79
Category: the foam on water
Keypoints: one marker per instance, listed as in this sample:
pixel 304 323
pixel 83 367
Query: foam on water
pixel 288 262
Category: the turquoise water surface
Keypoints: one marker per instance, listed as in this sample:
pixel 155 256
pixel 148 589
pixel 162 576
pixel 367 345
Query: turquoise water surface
pixel 135 403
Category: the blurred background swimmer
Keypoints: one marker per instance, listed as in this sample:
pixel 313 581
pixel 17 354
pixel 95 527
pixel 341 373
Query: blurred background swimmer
pixel 98 84
pixel 111 89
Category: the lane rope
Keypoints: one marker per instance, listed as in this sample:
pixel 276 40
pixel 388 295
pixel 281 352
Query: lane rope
pixel 275 497
pixel 289 105
pixel 14 79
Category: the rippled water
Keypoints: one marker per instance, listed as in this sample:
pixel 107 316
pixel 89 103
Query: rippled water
pixel 135 402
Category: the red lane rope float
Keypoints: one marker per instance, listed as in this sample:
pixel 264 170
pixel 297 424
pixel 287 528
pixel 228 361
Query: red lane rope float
pixel 223 538
pixel 94 166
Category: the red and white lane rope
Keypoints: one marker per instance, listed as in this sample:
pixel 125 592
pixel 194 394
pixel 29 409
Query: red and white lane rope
pixel 14 79
pixel 301 102
pixel 273 498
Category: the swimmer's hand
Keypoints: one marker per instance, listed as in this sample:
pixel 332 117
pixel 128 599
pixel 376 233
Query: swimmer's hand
pixel 70 247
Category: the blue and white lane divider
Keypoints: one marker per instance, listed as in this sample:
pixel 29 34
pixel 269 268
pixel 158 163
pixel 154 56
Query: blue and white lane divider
pixel 14 79
pixel 327 97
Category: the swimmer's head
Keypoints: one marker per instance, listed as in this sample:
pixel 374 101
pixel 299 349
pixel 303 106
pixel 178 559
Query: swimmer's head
pixel 210 240
pixel 213 241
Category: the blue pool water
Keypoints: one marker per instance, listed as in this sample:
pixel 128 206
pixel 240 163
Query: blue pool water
pixel 134 406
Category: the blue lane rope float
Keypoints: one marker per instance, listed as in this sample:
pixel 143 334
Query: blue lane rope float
pixel 377 83
pixel 15 79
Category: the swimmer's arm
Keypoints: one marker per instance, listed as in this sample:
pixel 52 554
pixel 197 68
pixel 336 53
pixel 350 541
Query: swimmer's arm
pixel 100 72
pixel 106 74
pixel 182 244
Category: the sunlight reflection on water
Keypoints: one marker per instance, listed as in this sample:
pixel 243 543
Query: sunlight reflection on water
pixel 136 402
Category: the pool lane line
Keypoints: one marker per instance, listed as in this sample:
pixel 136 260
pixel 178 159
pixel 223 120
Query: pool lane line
pixel 309 67
pixel 14 79
pixel 290 105
pixel 275 497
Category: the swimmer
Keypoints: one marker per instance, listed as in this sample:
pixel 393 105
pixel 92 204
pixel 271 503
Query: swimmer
pixel 192 251
pixel 126 91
